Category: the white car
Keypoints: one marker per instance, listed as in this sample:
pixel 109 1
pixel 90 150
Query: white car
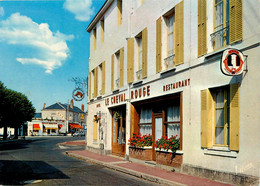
pixel 78 133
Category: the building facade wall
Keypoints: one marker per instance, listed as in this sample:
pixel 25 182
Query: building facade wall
pixel 201 73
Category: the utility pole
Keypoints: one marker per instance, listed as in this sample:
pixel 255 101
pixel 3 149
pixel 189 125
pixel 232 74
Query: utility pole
pixel 67 119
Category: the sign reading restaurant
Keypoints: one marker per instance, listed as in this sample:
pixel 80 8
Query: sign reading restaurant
pixel 175 85
pixel 232 62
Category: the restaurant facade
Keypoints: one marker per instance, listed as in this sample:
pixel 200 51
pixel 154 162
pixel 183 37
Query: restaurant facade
pixel 177 73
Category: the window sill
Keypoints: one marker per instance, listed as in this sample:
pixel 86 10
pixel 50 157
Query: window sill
pixel 217 52
pixel 221 151
pixel 116 91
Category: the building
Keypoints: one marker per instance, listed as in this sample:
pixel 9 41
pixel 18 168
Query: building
pixel 154 68
pixel 58 119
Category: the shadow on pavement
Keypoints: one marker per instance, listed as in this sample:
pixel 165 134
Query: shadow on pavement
pixel 14 172
pixel 12 145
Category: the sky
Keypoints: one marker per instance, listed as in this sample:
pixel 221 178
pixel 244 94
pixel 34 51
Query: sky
pixel 43 45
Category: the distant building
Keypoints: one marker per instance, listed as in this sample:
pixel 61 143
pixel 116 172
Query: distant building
pixel 57 118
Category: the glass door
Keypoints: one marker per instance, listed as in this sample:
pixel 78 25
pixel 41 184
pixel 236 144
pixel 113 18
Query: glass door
pixel 157 130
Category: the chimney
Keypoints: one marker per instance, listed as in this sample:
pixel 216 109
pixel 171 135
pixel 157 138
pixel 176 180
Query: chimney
pixel 44 105
pixel 71 104
pixel 82 107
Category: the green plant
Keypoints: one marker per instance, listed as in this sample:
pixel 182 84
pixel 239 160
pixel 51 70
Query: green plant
pixel 140 141
pixel 172 143
pixel 96 118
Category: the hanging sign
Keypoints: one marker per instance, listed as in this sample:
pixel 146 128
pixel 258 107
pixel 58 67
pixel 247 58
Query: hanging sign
pixel 232 62
pixel 78 94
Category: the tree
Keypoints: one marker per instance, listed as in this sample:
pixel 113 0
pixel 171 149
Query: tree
pixel 16 109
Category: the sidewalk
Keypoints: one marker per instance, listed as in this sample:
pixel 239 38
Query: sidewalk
pixel 143 171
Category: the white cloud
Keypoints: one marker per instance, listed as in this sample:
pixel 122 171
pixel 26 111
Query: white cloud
pixel 82 9
pixel 50 48
pixel 2 12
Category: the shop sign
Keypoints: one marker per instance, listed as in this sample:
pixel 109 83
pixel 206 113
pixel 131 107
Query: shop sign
pixel 232 62
pixel 78 94
pixel 141 92
pixel 115 99
pixel 82 117
pixel 175 85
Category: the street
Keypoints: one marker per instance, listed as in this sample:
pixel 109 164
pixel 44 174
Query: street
pixel 40 161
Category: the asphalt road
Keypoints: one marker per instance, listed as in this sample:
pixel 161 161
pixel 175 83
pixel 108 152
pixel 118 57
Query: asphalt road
pixel 40 161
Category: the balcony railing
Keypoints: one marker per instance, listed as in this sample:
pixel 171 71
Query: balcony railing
pixel 169 61
pixel 218 37
pixel 139 74
pixel 117 83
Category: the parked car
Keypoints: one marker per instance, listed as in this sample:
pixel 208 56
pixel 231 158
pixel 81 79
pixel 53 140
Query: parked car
pixel 78 133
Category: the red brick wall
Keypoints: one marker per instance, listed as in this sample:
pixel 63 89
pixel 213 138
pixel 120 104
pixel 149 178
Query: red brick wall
pixel 165 158
pixel 141 154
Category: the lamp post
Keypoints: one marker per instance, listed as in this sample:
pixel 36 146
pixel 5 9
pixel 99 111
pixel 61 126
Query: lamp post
pixel 67 119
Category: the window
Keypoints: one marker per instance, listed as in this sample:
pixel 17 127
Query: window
pixel 117 69
pixel 100 69
pixel 202 27
pixel 95 38
pixel 119 12
pixel 221 109
pixel 170 41
pixel 220 117
pixel 172 120
pixel 102 23
pixel 221 23
pixel 140 56
pixel 145 123
pixel 227 23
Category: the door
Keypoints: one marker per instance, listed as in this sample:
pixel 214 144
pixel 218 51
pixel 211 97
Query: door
pixel 118 133
pixel 157 130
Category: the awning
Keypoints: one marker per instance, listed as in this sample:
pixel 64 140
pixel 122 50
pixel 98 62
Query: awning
pixel 51 126
pixel 75 126
pixel 36 127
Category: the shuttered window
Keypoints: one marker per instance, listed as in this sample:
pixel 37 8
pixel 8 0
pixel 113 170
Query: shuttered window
pixel 95 82
pixel 112 72
pixel 121 61
pixel 89 85
pixel 144 53
pixel 95 38
pixel 228 23
pixel 179 34
pixel 202 27
pixel 130 60
pixel 158 44
pixel 95 130
pixel 103 78
pixel 119 12
pixel 102 24
pixel 220 116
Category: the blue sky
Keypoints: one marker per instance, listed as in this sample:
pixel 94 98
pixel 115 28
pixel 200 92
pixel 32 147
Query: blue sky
pixel 43 44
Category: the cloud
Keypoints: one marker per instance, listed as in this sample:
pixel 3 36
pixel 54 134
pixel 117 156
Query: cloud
pixel 50 49
pixel 82 9
pixel 2 12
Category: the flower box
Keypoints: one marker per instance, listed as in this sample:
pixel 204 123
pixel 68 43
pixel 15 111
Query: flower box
pixel 168 158
pixel 141 153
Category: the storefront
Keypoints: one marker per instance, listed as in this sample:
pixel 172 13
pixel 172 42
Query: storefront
pixel 160 116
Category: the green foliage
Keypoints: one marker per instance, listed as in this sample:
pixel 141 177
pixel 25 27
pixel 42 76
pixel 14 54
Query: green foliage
pixel 140 141
pixel 172 143
pixel 15 108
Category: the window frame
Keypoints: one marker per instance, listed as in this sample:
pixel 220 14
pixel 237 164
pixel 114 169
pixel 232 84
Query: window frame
pixel 225 23
pixel 226 107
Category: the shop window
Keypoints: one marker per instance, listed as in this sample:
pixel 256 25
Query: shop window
pixel 172 120
pixel 220 117
pixel 145 124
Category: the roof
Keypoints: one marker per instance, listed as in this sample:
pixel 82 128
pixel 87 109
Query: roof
pixel 37 115
pixel 60 106
pixel 99 15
